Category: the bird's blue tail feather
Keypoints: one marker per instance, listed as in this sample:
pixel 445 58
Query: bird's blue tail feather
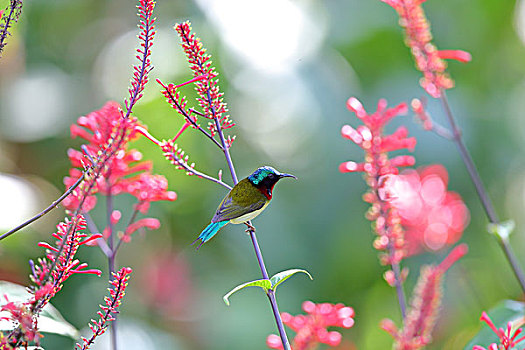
pixel 210 231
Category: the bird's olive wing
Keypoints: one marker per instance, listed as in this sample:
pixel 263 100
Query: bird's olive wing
pixel 228 209
pixel 244 198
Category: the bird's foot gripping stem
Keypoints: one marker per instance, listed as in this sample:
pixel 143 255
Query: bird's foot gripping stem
pixel 250 228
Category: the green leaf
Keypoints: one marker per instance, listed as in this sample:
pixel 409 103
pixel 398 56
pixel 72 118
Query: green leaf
pixel 504 312
pixel 502 230
pixel 264 284
pixel 50 319
pixel 280 277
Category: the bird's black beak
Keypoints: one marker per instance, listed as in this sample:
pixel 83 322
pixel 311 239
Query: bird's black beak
pixel 287 175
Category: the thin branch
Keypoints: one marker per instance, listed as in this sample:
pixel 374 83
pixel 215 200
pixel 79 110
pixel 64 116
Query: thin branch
pixel 49 208
pixel 198 173
pixel 481 191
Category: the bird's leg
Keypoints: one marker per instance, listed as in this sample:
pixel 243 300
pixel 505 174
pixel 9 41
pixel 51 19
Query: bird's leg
pixel 250 227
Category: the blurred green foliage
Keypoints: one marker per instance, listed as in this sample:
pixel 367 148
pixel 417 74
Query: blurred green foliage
pixel 82 51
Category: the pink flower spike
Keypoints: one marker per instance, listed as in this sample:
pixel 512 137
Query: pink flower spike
pixel 458 55
pixel 456 253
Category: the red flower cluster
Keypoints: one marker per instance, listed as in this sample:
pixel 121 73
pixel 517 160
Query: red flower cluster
pixel 116 293
pixel 507 337
pixel 377 166
pixel 311 329
pixel 424 307
pixel 98 128
pixel 431 216
pixel 429 60
pixel 123 173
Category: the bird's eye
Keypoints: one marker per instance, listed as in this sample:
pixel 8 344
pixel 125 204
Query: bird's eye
pixel 271 176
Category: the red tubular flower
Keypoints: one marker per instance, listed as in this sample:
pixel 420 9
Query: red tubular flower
pixel 432 217
pixel 508 338
pixel 311 329
pixel 113 301
pixel 149 188
pixel 98 128
pixel 428 59
pixel 424 306
pixel 377 167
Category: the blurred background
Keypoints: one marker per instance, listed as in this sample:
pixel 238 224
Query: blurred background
pixel 287 69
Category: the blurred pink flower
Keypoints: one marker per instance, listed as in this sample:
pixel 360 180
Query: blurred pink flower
pixel 433 218
pixel 166 283
pixel 311 329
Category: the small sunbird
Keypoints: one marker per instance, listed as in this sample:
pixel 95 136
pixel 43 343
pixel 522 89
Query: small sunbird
pixel 247 199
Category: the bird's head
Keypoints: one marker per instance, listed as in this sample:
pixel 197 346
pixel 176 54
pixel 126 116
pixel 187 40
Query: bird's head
pixel 267 177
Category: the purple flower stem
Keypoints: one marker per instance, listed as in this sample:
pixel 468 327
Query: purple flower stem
pixel 111 258
pixel 399 288
pixel 481 191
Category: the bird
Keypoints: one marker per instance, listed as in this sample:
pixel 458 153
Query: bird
pixel 247 199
